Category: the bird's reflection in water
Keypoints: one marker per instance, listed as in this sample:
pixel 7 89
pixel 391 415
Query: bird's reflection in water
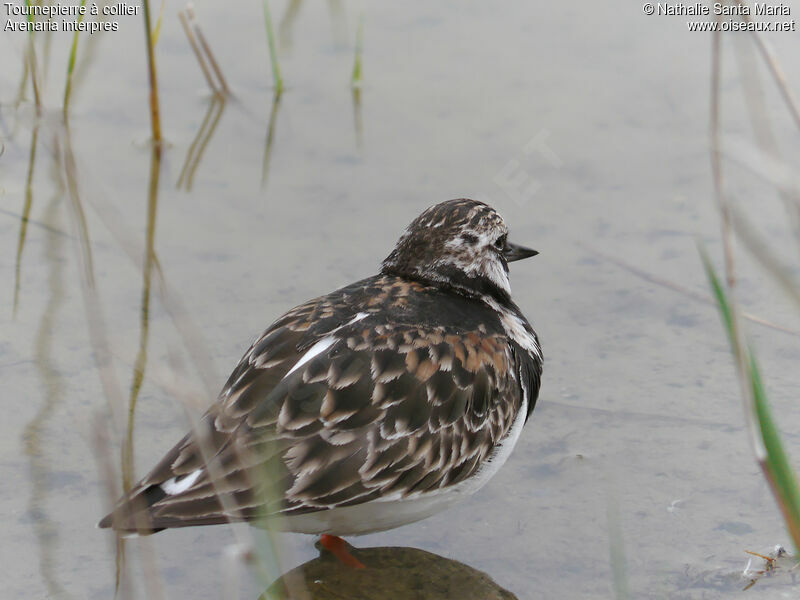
pixel 392 573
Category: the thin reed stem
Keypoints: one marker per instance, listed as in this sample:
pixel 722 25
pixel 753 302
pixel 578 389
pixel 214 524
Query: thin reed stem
pixel 155 115
pixel 197 53
pixel 355 79
pixel 716 160
pixel 277 80
pixel 207 49
pixel 776 71
pixel 37 97
pixel 71 63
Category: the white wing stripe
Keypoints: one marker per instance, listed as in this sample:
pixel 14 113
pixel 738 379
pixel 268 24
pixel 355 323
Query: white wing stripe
pixel 317 348
pixel 323 344
pixel 172 486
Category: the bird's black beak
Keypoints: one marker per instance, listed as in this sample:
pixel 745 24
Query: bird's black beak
pixel 513 252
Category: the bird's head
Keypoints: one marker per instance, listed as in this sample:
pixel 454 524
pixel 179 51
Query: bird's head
pixel 461 244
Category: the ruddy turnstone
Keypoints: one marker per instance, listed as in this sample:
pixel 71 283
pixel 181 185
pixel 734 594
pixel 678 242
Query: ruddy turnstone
pixel 371 407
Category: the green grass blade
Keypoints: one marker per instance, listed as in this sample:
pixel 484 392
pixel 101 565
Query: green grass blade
pixel 778 467
pixel 355 80
pixel 273 54
pixel 71 62
pixel 32 61
pixel 774 461
pixel 722 299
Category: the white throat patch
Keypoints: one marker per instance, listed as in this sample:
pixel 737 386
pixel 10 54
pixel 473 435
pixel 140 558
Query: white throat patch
pixel 515 328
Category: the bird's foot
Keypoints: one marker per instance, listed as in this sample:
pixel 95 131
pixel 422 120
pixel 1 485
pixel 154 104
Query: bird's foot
pixel 337 546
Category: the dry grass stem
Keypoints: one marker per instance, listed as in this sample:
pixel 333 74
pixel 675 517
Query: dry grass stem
pixel 198 146
pixel 782 273
pixel 182 392
pixel 716 160
pixel 273 117
pixel 760 121
pixel 155 111
pixel 649 277
pixel 776 70
pixel 207 50
pixel 767 167
pixel 197 52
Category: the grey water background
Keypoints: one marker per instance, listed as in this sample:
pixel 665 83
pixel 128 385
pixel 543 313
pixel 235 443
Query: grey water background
pixel 587 128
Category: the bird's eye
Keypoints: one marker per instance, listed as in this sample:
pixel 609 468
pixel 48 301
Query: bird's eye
pixel 500 243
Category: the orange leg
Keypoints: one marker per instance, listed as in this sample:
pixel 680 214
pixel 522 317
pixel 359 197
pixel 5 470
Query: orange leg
pixel 336 546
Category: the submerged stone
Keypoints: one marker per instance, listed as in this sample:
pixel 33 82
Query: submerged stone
pixel 391 573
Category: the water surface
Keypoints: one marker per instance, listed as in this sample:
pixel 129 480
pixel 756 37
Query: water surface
pixel 586 128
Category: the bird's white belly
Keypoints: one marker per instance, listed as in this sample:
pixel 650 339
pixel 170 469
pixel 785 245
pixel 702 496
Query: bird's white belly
pixel 395 511
pixel 377 515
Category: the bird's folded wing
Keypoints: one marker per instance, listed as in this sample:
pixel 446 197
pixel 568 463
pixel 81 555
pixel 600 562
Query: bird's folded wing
pixel 353 411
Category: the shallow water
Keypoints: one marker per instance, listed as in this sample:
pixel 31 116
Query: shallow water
pixel 586 128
